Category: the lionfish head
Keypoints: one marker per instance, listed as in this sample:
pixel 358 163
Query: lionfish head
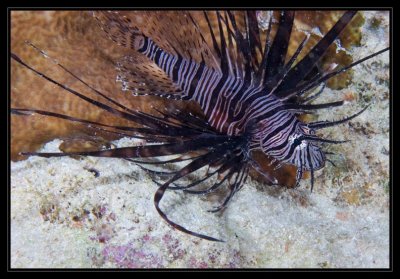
pixel 303 152
pixel 299 147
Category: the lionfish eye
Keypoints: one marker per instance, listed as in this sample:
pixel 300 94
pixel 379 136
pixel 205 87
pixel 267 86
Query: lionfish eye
pixel 297 141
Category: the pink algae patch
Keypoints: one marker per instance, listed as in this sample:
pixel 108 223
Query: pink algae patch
pixel 127 256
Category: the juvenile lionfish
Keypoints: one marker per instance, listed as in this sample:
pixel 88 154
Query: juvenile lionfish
pixel 250 95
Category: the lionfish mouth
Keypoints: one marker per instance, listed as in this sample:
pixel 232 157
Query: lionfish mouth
pixel 236 73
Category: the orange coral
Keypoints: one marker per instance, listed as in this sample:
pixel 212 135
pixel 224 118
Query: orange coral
pixel 74 39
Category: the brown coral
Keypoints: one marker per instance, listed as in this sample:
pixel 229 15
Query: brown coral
pixel 74 39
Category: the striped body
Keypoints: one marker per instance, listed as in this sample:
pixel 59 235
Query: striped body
pixel 248 91
pixel 231 106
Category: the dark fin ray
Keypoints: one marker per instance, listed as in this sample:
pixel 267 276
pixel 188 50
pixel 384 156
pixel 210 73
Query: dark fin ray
pixel 253 35
pixel 243 52
pixel 143 151
pixel 213 187
pixel 317 79
pixel 179 186
pixel 318 139
pixel 194 183
pixel 225 59
pixel 272 83
pixel 136 116
pixel 316 95
pixel 189 120
pixel 228 164
pixel 267 45
pixel 311 167
pixel 114 111
pixel 312 179
pixel 206 51
pixel 205 160
pixel 155 172
pixel 344 69
pixel 142 131
pixel 231 49
pixel 222 163
pixel 241 175
pixel 193 166
pixel 214 40
pixel 330 161
pixel 231 166
pixel 78 120
pixel 300 71
pixel 314 106
pixel 326 124
pixel 277 54
pixel 128 28
pixel 176 160
pixel 97 92
pixel 301 89
pixel 138 74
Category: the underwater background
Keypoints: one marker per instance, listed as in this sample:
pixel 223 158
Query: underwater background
pixel 94 212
